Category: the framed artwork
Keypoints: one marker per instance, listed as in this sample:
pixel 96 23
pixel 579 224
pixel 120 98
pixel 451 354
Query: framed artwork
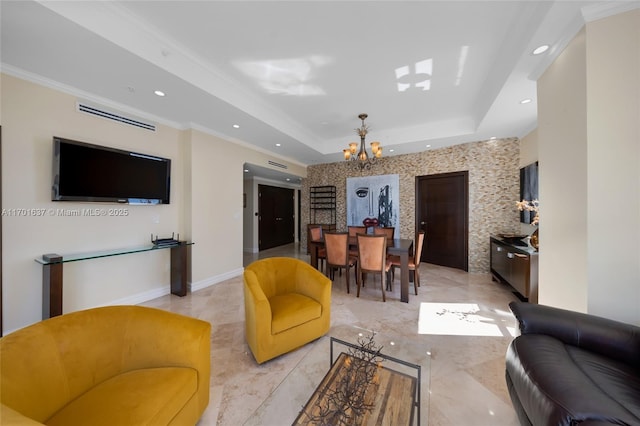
pixel 373 197
pixel 528 189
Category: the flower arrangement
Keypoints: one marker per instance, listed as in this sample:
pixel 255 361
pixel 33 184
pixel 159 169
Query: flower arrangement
pixel 531 206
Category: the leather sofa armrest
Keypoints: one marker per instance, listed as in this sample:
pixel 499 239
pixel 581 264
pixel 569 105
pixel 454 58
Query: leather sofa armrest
pixel 605 336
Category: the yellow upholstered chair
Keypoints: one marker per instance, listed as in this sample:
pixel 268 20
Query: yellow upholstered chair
pixel 116 365
pixel 287 304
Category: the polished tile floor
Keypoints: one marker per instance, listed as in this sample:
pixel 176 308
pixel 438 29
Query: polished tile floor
pixel 463 318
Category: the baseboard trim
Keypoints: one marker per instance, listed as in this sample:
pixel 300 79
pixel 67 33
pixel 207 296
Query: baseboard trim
pixel 208 282
pixel 145 296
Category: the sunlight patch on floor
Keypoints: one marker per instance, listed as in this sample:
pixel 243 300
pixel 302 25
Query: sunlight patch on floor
pixel 464 319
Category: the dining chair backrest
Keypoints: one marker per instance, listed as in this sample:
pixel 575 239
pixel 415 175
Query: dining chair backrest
pixel 418 251
pixel 315 232
pixel 355 230
pixel 388 231
pixel 337 245
pixel 372 252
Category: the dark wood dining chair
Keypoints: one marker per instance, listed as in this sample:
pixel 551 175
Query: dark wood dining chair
pixel 355 230
pixel 414 262
pixel 338 257
pixel 388 231
pixel 372 258
pixel 315 232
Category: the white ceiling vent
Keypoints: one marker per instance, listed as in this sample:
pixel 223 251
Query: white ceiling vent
pixel 88 109
pixel 282 166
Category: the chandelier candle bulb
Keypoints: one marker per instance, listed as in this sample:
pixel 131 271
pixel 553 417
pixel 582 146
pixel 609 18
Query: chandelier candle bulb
pixel 362 160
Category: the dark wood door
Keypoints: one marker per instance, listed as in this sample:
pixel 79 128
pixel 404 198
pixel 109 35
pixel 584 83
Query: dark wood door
pixel 443 213
pixel 276 224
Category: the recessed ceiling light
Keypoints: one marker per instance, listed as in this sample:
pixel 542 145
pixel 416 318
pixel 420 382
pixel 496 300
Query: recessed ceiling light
pixel 159 92
pixel 428 146
pixel 277 144
pixel 525 101
pixel 391 150
pixel 236 126
pixel 540 49
pixel 493 138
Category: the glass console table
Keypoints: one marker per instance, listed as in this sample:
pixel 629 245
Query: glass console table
pixel 52 271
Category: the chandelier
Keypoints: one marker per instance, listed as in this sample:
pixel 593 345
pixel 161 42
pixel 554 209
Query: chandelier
pixel 362 159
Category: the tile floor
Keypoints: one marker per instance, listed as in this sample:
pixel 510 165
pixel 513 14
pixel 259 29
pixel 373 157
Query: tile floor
pixel 467 385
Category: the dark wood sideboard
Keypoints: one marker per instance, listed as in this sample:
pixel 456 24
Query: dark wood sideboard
pixel 515 265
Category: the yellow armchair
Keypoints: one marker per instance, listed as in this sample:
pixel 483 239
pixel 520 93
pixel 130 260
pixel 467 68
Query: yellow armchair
pixel 117 365
pixel 287 304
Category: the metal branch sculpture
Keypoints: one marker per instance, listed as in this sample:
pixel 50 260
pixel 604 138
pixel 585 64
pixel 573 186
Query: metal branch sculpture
pixel 347 401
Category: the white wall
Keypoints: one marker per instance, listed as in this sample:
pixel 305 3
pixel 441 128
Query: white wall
pixel 588 134
pixel 206 206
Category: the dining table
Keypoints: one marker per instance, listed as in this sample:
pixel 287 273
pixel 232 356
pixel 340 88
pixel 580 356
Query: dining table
pixel 399 246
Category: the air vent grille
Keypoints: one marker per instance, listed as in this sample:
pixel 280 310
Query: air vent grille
pixel 87 109
pixel 282 166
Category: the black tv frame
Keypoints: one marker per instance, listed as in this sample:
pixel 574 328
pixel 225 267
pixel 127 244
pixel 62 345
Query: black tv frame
pixel 106 174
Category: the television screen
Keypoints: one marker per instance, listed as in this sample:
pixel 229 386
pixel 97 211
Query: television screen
pixel 87 172
pixel 528 189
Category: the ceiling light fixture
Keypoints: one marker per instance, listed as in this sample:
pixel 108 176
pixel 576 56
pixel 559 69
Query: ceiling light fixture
pixel 159 93
pixel 362 159
pixel 540 49
pixel 525 101
pixel 236 126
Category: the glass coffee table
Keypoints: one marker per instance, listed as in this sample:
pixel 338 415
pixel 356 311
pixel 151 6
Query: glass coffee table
pixel 401 381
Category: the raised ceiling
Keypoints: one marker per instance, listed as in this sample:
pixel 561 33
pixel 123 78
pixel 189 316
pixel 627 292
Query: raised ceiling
pixel 298 73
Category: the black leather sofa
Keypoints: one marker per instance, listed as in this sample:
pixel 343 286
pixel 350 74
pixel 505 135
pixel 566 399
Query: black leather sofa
pixel 570 368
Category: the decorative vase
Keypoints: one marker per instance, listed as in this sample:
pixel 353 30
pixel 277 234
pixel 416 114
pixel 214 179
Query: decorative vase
pixel 534 239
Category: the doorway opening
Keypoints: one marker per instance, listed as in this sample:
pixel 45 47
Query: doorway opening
pixel 442 211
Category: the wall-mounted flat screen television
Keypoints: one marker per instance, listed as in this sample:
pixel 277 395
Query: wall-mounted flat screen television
pixel 87 172
pixel 528 189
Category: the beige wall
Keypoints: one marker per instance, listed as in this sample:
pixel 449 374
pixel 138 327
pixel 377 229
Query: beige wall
pixel 493 168
pixel 31 115
pixel 206 206
pixel 588 134
pixel 613 162
pixel 563 179
pixel 529 148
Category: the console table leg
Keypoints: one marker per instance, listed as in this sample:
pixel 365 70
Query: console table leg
pixel 51 290
pixel 179 269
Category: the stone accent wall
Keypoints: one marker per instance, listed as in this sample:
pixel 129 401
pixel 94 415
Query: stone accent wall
pixel 494 187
